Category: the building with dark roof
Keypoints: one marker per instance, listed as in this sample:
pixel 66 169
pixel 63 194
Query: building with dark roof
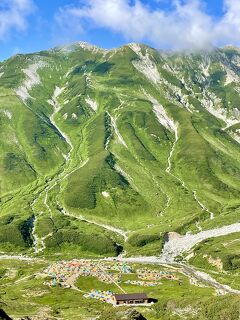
pixel 134 298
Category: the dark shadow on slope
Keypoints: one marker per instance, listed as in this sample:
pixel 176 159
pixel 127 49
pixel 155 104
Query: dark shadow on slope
pixel 4 316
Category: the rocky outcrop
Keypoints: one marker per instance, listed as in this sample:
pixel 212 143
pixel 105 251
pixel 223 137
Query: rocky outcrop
pixel 169 236
pixel 130 314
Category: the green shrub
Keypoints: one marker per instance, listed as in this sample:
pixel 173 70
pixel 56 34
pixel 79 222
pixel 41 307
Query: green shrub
pixel 102 68
pixel 11 234
pixel 5 220
pixel 140 240
pixel 97 243
pixel 231 262
pixel 17 233
pixel 2 272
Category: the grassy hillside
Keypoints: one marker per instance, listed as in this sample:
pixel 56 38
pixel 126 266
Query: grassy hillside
pixel 132 139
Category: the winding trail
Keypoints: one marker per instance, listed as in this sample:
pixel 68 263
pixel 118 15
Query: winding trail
pixel 168 199
pixel 168 170
pixel 39 244
pixel 207 280
pixel 198 226
pixel 20 258
pixel 172 126
pixel 211 217
pixel 120 232
pixel 111 278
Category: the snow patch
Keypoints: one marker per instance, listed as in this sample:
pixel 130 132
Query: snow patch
pixel 167 67
pixel 32 79
pixel 57 107
pixel 122 173
pixel 8 114
pixel 57 91
pixel 92 104
pixel 231 76
pixel 145 65
pixel 213 105
pixel 205 69
pixel 161 115
pixel 114 124
pixel 105 194
pixel 74 116
pixel 80 44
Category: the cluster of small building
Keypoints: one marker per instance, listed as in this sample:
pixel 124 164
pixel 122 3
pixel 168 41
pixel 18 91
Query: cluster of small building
pixel 154 275
pixel 65 273
pixel 133 298
pixel 104 296
pixel 118 299
pixel 142 283
pixel 108 272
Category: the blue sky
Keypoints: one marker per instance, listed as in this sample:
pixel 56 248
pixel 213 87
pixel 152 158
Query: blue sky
pixel 33 25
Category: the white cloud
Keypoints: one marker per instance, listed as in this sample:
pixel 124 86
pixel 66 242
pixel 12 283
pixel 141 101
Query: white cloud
pixel 186 26
pixel 13 15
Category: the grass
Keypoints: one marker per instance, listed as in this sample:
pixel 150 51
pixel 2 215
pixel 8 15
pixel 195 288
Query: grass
pixel 124 187
pixel 173 297
pixel 220 257
pixel 66 302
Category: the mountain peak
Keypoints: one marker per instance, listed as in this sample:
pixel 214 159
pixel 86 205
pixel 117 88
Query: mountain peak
pixel 79 44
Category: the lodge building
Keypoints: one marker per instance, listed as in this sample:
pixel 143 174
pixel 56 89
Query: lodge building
pixel 135 298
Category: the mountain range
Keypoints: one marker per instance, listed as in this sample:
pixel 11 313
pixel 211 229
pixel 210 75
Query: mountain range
pixel 107 150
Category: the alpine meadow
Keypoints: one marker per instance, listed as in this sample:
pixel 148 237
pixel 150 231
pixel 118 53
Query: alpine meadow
pixel 123 158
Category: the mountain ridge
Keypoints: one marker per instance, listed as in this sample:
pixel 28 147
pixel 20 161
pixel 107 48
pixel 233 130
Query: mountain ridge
pixel 90 46
pixel 131 139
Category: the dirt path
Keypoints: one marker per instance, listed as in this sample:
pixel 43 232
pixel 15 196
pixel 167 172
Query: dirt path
pixel 207 280
pixel 39 244
pixel 199 276
pixel 168 170
pixel 111 279
pixel 120 232
pixel 20 257
pixel 211 214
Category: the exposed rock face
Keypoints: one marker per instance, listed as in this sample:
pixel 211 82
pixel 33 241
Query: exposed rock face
pixel 168 236
pixel 175 245
pixel 132 314
pixel 135 315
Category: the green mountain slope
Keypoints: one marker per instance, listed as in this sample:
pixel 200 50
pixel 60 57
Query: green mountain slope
pixel 124 144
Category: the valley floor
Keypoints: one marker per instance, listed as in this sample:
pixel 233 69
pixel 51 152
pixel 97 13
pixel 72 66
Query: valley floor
pixel 77 288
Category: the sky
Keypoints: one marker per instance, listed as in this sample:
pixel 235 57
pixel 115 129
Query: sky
pixel 34 25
